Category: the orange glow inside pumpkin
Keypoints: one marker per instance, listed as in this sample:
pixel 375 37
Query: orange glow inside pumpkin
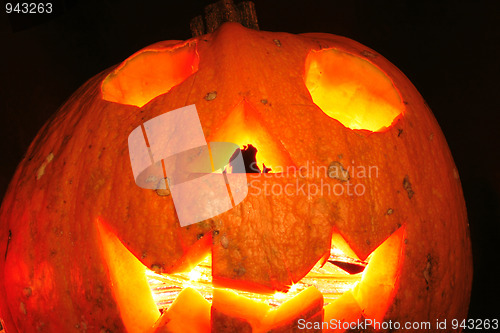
pixel 244 126
pixel 329 279
pixel 352 90
pixel 150 73
pixel 130 285
pixel 188 307
pixel 141 293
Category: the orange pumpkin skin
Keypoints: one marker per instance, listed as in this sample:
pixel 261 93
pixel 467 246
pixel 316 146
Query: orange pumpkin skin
pixel 53 276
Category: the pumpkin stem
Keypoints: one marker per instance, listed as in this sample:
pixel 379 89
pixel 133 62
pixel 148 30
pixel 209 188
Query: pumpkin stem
pixel 224 11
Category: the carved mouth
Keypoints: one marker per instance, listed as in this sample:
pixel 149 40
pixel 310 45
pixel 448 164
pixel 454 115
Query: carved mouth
pixel 332 278
pixel 340 287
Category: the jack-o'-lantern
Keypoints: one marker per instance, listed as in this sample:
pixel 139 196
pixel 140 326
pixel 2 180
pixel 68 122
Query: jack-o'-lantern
pixel 357 211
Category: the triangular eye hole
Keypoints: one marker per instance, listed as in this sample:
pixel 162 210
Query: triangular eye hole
pixel 352 90
pixel 150 73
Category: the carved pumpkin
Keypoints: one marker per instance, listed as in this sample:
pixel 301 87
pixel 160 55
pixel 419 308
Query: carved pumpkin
pixel 83 248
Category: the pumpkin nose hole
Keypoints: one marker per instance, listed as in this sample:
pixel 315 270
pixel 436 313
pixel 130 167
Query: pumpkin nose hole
pixel 249 154
pixel 245 127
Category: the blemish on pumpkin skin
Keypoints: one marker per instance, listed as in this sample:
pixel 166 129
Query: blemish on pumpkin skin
pixel 368 54
pixel 240 270
pixel 337 171
pixel 65 139
pixel 8 242
pixel 390 211
pixel 400 131
pixel 407 187
pixel 82 326
pixel 41 170
pixel 211 96
pixel 277 42
pixel 22 308
pixel 162 191
pixel 27 292
pixel 157 268
pixel 263 101
pixel 322 46
pixel 224 242
pixel 40 327
pixel 428 271
pixel 207 224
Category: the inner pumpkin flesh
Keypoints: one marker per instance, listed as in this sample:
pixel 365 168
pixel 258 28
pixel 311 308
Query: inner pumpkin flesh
pixel 327 292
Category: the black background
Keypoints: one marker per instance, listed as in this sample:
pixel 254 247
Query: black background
pixel 448 49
